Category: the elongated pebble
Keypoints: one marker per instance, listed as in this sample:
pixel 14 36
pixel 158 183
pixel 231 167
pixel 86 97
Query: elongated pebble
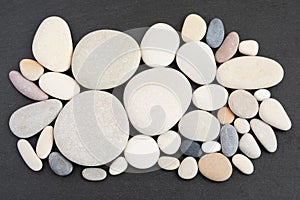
pixel 169 142
pixel 45 142
pixel 241 125
pixel 59 165
pixel 229 140
pixel 29 156
pixel 215 33
pixel 249 47
pixel 211 147
pixel 168 163
pixel 262 94
pixel 118 166
pixel 190 148
pixel 249 146
pixel 243 163
pixel 194 28
pixel 229 47
pixel 94 174
pixel 225 115
pixel 31 69
pixel 188 168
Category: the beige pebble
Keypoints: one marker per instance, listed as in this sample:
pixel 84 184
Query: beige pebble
pixel 168 163
pixel 249 47
pixel 31 69
pixel 45 142
pixel 229 47
pixel 225 115
pixel 194 28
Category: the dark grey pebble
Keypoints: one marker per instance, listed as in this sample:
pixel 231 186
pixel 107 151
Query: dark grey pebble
pixel 190 148
pixel 215 33
pixel 229 140
pixel 60 165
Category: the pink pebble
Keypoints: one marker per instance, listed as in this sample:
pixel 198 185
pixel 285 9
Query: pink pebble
pixel 228 48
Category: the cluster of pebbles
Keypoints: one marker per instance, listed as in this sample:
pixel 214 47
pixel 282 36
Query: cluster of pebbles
pixel 92 127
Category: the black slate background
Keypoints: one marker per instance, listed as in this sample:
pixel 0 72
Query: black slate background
pixel 274 24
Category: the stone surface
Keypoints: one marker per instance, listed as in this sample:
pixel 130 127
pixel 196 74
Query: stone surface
pixel 243 163
pixel 26 87
pixel 168 163
pixel 31 69
pixel 118 166
pixel 243 104
pixel 169 142
pixel 59 85
pixel 52 44
pixel 31 119
pixel 190 148
pixel 215 33
pixel 45 142
pixel 249 47
pixel 159 45
pixel 272 112
pixel 94 174
pixel 188 168
pixel 194 28
pixel 241 125
pixel 249 146
pixel 59 165
pixel 199 125
pixel 249 72
pixel 29 156
pixel 262 94
pixel 229 47
pixel 211 147
pixel 225 115
pixel 229 140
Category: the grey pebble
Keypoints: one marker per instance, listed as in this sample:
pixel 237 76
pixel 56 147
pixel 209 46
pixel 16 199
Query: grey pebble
pixel 60 165
pixel 229 140
pixel 190 148
pixel 215 33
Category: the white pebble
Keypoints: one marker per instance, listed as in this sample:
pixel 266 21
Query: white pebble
pixel 249 47
pixel 118 166
pixel 168 163
pixel 188 168
pixel 262 94
pixel 169 142
pixel 211 147
pixel 249 146
pixel 243 163
pixel 45 142
pixel 29 156
pixel 241 125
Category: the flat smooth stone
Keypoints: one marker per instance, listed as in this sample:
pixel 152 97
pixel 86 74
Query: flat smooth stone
pixel 105 59
pixel 118 166
pixel 191 148
pixel 159 45
pixel 94 174
pixel 211 147
pixel 31 119
pixel 272 112
pixel 149 114
pixel 45 142
pixel 262 94
pixel 228 48
pixel 265 134
pixel 243 104
pixel 142 152
pixel 59 85
pixel 31 69
pixel 241 125
pixel 168 163
pixel 249 47
pixel 225 115
pixel 29 156
pixel 243 163
pixel 229 140
pixel 89 132
pixel 249 146
pixel 26 87
pixel 59 165
pixel 194 28
pixel 250 72
pixel 195 59
pixel 188 168
pixel 215 166
pixel 52 44
pixel 169 142
pixel 210 97
pixel 199 125
pixel 215 33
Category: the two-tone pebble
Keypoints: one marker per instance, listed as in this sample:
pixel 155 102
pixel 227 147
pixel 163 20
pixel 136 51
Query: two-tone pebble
pixel 249 47
pixel 243 163
pixel 241 125
pixel 190 148
pixel 210 147
pixel 194 28
pixel 262 94
pixel 45 142
pixel 249 146
pixel 229 47
pixel 225 115
pixel 215 33
pixel 94 174
pixel 118 166
pixel 188 168
pixel 169 142
pixel 168 163
pixel 59 164
pixel 31 69
pixel 229 140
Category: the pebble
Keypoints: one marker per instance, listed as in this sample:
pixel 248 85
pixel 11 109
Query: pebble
pixel 262 94
pixel 215 166
pixel 229 140
pixel 243 163
pixel 59 165
pixel 225 115
pixel 29 156
pixel 159 45
pixel 215 33
pixel 59 85
pixel 210 97
pixel 199 125
pixel 249 72
pixel 249 146
pixel 94 174
pixel 265 134
pixel 104 59
pixel 190 148
pixel 229 47
pixel 243 104
pixel 52 44
pixel 26 87
pixel 31 69
pixel 118 166
pixel 188 168
pixel 211 147
pixel 169 142
pixel 45 142
pixel 194 28
pixel 142 152
pixel 272 112
pixel 168 163
pixel 195 59
pixel 31 119
pixel 249 47
pixel 241 125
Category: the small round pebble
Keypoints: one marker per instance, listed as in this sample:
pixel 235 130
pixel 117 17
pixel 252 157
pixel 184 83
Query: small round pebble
pixel 190 148
pixel 168 163
pixel 243 163
pixel 262 94
pixel 188 168
pixel 225 115
pixel 118 166
pixel 211 147
pixel 59 165
pixel 31 69
pixel 241 125
pixel 94 174
pixel 249 47
pixel 169 142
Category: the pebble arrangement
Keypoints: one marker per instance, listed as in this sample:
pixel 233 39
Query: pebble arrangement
pixel 92 127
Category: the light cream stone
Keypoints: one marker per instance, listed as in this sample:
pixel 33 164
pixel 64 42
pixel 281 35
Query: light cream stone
pixel 211 147
pixel 94 174
pixel 249 146
pixel 194 28
pixel 262 94
pixel 249 47
pixel 188 168
pixel 31 69
pixel 45 142
pixel 118 166
pixel 29 156
pixel 243 163
pixel 169 142
pixel 241 125
pixel 168 163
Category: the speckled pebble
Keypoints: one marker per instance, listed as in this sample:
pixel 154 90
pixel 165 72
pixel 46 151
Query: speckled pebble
pixel 59 165
pixel 229 140
pixel 190 148
pixel 241 125
pixel 94 174
pixel 229 47
pixel 215 33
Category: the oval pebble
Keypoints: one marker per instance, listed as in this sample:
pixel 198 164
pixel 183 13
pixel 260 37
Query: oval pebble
pixel 94 174
pixel 241 125
pixel 262 94
pixel 190 148
pixel 225 115
pixel 168 163
pixel 249 47
pixel 229 47
pixel 249 146
pixel 45 142
pixel 188 168
pixel 52 44
pixel 194 28
pixel 59 165
pixel 29 156
pixel 118 166
pixel 243 163
pixel 215 33
pixel 229 140
pixel 169 142
pixel 211 147
pixel 31 69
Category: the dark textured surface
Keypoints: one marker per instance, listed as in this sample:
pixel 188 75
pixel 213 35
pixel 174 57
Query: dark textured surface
pixel 274 24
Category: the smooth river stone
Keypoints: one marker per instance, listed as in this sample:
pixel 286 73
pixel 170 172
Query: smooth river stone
pixel 243 104
pixel 199 125
pixel 241 125
pixel 190 148
pixel 31 119
pixel 45 142
pixel 159 45
pixel 94 174
pixel 249 72
pixel 249 146
pixel 265 134
pixel 243 163
pixel 229 140
pixel 168 163
pixel 92 129
pixel 29 156
pixel 229 47
pixel 272 112
pixel 52 44
pixel 118 166
pixel 195 59
pixel 31 69
pixel 59 165
pixel 215 166
pixel 188 168
pixel 249 47
pixel 225 115
pixel 215 33
pixel 105 59
pixel 194 28
pixel 59 85
pixel 211 147
pixel 262 94
pixel 26 87
pixel 210 97
pixel 142 152
pixel 169 142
